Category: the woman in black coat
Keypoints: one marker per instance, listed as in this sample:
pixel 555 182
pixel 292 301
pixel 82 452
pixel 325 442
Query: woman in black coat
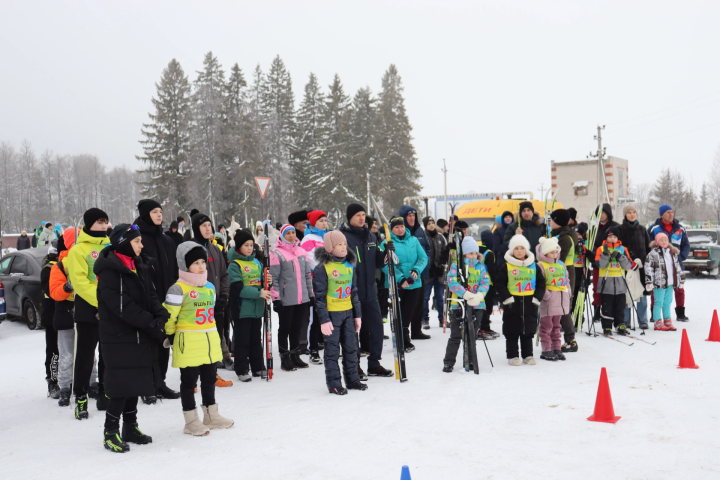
pixel 132 321
pixel 163 270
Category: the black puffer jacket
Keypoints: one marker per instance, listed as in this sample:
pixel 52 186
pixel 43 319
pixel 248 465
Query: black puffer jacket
pixel 48 304
pixel 320 283
pixel 160 249
pixel 437 244
pixel 131 318
pixel 363 244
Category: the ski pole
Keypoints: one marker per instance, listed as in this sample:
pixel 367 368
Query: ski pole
pixel 633 302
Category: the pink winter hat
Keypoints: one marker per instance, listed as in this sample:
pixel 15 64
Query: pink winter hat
pixel 333 238
pixel 660 235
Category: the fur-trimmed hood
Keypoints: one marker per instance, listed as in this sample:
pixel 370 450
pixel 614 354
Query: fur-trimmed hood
pixel 673 248
pixel 520 263
pixel 323 256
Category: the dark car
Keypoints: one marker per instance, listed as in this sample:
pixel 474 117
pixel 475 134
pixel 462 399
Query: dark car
pixel 704 251
pixel 20 276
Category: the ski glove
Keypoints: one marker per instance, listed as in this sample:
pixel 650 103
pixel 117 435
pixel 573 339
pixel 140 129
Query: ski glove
pixel 312 302
pixel 638 262
pixel 169 341
pixel 390 247
pixel 634 266
pixel 535 301
pixel 358 324
pixel 614 255
pixel 327 328
pixel 606 250
pixel 509 301
pixel 649 287
pixel 68 288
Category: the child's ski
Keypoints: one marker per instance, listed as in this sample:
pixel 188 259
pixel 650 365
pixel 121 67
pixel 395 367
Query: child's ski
pixel 267 317
pixel 640 339
pixel 614 338
pixel 394 311
pixel 580 302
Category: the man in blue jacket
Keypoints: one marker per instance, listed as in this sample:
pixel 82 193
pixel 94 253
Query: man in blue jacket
pixel 364 245
pixel 678 238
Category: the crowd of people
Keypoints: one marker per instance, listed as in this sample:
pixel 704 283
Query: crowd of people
pixel 119 302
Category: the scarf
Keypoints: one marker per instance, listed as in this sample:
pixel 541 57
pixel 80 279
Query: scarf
pixel 193 279
pixel 129 262
pixel 314 230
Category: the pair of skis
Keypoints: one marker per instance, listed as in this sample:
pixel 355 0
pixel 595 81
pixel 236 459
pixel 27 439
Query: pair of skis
pixel 469 330
pixel 579 311
pixel 267 317
pixel 394 312
pixel 549 208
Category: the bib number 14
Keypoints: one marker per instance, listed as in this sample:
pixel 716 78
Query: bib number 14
pixel 526 287
pixel 204 315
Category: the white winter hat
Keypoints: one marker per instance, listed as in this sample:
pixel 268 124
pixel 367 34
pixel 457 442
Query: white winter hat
pixel 469 245
pixel 518 241
pixel 549 245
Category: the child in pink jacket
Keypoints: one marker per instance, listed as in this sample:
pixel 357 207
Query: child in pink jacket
pixel 556 301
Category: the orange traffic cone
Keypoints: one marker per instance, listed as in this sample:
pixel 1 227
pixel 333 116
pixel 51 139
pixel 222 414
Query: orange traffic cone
pixel 714 329
pixel 686 357
pixel 604 411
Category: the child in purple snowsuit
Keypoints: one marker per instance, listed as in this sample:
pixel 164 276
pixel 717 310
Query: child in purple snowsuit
pixel 556 300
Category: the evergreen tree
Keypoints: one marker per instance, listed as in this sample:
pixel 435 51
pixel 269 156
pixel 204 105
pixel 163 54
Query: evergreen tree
pixel 362 149
pixel 396 164
pixel 310 141
pixel 166 142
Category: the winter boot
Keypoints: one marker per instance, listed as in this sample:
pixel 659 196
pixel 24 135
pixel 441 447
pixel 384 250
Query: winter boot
pixel 669 326
pixel 338 391
pixel 132 434
pixel 81 407
pixel 92 390
pixel 549 355
pixel 260 373
pixel 447 368
pixel 363 376
pixel 596 313
pixel 529 361
pixel 227 364
pixel 114 443
pixel 315 358
pixel 219 382
pixel 515 362
pixel 409 347
pixel 571 347
pixel 297 361
pixel 380 371
pixel 193 425
pixel 607 332
pixel 357 386
pixel 149 400
pixel 660 325
pixel 420 336
pixel 103 401
pixel 245 377
pixel 559 355
pixel 643 326
pixel 286 363
pixel 321 345
pixel 680 311
pixel 622 329
pixel 164 391
pixel 212 419
pixel 64 397
pixel 426 324
pixel 53 389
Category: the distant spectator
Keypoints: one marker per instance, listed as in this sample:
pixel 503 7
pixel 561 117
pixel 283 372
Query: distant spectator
pixel 23 242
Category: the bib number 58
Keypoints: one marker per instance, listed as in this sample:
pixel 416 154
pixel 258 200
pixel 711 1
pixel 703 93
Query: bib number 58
pixel 204 315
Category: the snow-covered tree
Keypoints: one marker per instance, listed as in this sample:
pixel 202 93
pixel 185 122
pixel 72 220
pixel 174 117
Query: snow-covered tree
pixel 310 142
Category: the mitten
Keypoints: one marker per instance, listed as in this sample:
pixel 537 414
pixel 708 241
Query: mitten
pixel 535 301
pixel 649 287
pixel 68 288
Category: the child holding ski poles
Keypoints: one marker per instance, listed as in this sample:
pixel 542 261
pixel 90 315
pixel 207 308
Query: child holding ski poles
pixel 520 288
pixel 662 272
pixel 474 295
pixel 247 305
pixel 195 341
pixel 556 301
pixel 339 310
pixel 613 262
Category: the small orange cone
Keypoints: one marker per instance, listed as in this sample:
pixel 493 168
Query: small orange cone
pixel 604 411
pixel 686 357
pixel 714 329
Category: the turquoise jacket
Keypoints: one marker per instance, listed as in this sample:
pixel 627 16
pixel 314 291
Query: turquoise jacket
pixel 412 257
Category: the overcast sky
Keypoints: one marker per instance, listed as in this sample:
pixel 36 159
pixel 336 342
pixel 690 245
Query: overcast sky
pixel 498 89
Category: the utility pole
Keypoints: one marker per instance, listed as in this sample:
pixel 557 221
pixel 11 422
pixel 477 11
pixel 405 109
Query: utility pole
pixel 444 170
pixel 600 155
pixel 542 189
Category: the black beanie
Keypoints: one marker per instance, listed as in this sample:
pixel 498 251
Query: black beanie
pixel 573 213
pixel 370 220
pixel 441 223
pixel 561 217
pixel 193 212
pixel 121 236
pixel 524 205
pixel 180 219
pixel 194 255
pixel 296 217
pixel 460 224
pixel 395 221
pixel 145 206
pixel 197 220
pixel 93 215
pixel 242 236
pixel 353 209
pixel 427 220
pixel 173 224
pixel 613 230
pixel 61 243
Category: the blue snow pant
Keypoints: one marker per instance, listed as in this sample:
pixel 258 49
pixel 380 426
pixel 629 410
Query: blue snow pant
pixel 439 297
pixel 343 334
pixel 372 321
pixel 663 302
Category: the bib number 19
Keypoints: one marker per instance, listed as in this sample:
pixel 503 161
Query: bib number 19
pixel 203 315
pixel 344 292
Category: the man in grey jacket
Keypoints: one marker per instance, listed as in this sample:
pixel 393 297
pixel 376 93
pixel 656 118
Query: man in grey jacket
pixel 218 276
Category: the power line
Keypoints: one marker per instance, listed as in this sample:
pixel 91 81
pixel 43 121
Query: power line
pixel 666 136
pixel 664 110
pixel 663 118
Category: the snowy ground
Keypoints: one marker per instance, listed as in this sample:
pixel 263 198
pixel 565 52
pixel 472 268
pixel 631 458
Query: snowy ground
pixel 508 422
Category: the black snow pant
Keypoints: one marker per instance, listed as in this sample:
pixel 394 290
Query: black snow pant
pixel 383 294
pixel 568 326
pixel 520 322
pixel 125 406
pixel 372 322
pixel 248 346
pixel 343 334
pixel 51 353
pixel 160 356
pixel 455 339
pixel 87 338
pixel 188 382
pixel 293 327
pixel 612 309
pixel 484 324
pixel 314 333
pixel 364 338
pixel 411 308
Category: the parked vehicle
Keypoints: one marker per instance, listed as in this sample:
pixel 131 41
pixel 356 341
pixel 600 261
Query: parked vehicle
pixel 704 253
pixel 20 279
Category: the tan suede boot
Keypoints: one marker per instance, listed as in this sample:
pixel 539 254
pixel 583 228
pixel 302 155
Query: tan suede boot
pixel 212 419
pixel 193 425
